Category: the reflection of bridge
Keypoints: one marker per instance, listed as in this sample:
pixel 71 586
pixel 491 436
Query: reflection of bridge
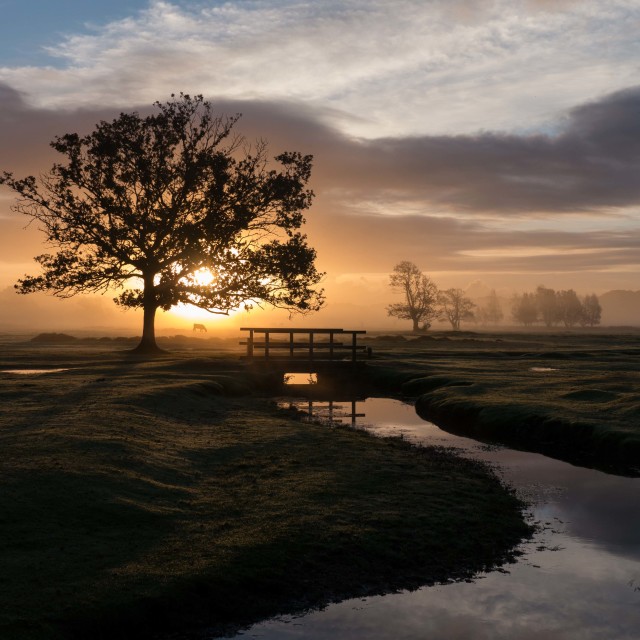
pixel 304 350
pixel 331 410
pixel 335 412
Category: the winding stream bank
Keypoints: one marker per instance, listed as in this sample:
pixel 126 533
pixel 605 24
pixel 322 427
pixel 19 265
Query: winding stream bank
pixel 146 497
pixel 579 577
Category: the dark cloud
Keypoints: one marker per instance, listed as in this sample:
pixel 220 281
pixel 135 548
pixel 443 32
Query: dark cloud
pixel 593 163
pixel 25 132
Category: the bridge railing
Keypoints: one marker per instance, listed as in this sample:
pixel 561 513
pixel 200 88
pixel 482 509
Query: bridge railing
pixel 310 344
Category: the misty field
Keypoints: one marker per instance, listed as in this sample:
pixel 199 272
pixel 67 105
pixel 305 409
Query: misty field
pixel 152 496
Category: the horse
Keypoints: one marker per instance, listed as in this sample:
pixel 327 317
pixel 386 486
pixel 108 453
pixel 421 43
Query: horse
pixel 199 327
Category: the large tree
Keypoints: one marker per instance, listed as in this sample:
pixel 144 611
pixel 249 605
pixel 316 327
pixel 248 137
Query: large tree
pixel 173 207
pixel 419 292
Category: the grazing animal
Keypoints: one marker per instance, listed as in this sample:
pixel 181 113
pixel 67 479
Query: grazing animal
pixel 199 327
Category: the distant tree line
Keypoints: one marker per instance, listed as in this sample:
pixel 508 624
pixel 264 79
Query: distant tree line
pixel 422 303
pixel 554 308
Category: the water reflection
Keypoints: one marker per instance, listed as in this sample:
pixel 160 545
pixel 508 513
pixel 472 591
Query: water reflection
pixel 27 372
pixel 300 378
pixel 326 410
pixel 579 577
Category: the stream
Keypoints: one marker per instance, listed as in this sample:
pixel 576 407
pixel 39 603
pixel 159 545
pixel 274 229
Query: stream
pixel 578 578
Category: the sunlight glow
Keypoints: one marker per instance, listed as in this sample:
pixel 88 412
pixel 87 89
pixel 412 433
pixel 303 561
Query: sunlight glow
pixel 203 277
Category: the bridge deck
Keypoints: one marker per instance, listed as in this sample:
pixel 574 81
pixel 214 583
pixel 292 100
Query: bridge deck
pixel 302 350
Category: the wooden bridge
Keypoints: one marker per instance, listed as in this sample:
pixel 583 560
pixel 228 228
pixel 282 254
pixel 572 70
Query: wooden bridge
pixel 304 350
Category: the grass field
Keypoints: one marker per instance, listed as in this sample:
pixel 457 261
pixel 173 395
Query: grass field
pixel 144 497
pixel 573 395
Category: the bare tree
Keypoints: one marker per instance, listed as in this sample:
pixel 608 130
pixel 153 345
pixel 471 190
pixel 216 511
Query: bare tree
pixel 157 202
pixel 420 295
pixel 455 307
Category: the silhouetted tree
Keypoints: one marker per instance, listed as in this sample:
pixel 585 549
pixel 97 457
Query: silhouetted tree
pixel 420 295
pixel 591 311
pixel 491 312
pixel 547 304
pixel 569 308
pixel 524 309
pixel 455 307
pixel 159 201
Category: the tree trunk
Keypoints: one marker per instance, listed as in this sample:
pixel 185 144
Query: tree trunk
pixel 416 326
pixel 148 341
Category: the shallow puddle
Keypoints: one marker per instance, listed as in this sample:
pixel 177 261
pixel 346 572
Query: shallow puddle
pixel 300 378
pixel 28 372
pixel 579 578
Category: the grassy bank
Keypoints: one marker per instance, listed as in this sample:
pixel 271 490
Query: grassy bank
pixel 575 396
pixel 157 496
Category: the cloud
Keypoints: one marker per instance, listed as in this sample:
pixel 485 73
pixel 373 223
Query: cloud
pixel 402 68
pixel 590 165
pixel 449 203
pixel 26 131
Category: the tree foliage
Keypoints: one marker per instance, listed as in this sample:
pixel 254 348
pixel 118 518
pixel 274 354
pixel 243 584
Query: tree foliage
pixel 419 292
pixel 455 307
pixel 591 311
pixel 524 309
pixel 547 305
pixel 569 308
pixel 155 202
pixel 490 313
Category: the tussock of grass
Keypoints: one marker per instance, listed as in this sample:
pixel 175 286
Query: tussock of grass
pixel 583 406
pixel 142 497
pixel 418 386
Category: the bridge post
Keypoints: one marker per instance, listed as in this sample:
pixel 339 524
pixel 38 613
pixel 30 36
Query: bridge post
pixel 250 344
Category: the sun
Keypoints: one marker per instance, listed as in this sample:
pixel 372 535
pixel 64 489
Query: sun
pixel 203 277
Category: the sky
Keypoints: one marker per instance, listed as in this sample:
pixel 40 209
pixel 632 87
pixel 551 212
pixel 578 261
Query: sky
pixel 496 144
